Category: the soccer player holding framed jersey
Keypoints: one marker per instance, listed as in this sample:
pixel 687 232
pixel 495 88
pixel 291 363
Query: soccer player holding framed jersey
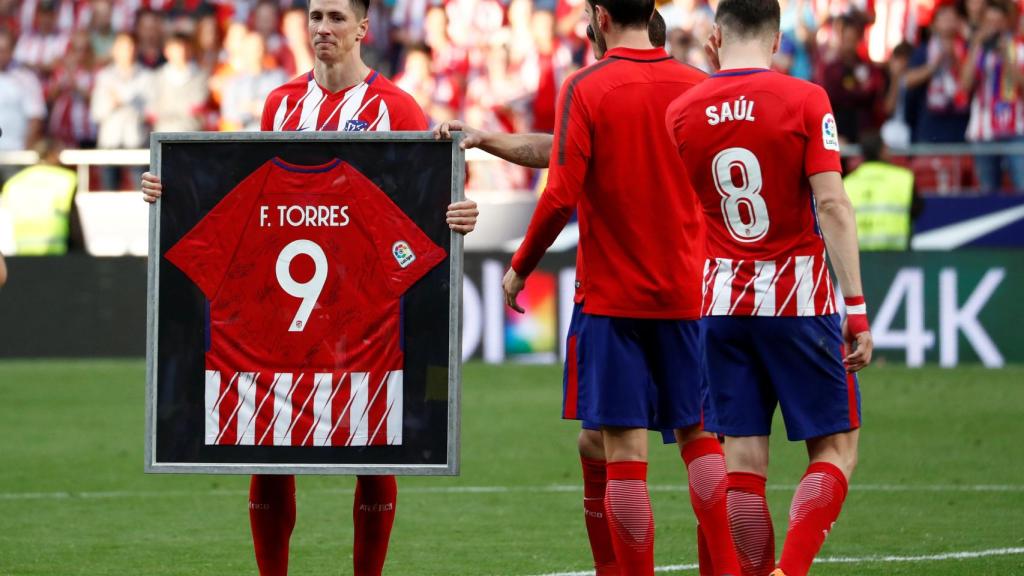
pixel 635 348
pixel 340 93
pixel 762 151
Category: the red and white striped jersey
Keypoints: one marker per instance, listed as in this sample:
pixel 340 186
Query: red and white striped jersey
pixel 304 268
pixel 750 140
pixel 997 109
pixel 35 50
pixel 375 104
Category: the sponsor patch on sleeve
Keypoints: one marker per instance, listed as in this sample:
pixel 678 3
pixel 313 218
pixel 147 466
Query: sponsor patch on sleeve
pixel 829 132
pixel 403 253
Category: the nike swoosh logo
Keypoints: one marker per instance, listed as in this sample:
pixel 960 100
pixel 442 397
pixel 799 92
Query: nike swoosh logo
pixel 303 129
pixel 957 235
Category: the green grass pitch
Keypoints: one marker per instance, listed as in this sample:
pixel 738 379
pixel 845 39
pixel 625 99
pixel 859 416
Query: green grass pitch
pixel 942 472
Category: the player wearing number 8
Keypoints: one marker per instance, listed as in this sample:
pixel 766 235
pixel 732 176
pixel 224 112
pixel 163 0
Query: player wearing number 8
pixel 762 151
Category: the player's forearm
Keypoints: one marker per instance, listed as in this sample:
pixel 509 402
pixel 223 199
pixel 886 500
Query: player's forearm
pixel 548 221
pixel 530 150
pixel 3 271
pixel 839 227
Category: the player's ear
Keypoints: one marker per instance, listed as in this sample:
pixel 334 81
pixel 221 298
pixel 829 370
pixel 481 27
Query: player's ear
pixel 776 43
pixel 604 19
pixel 716 35
pixel 363 28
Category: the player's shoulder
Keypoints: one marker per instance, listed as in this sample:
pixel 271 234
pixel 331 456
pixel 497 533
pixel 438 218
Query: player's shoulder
pixel 388 90
pixel 298 84
pixel 590 76
pixel 795 88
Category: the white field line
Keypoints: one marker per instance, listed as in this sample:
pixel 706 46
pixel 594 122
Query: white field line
pixel 550 488
pixel 969 555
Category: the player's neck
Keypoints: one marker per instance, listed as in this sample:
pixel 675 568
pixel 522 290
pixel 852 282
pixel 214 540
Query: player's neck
pixel 345 73
pixel 744 56
pixel 634 38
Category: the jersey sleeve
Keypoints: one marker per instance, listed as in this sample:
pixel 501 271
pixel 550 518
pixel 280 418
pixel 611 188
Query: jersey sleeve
pixel 404 251
pixel 205 252
pixel 269 108
pixel 407 114
pixel 570 155
pixel 821 153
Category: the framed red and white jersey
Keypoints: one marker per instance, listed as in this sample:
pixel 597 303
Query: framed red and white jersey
pixel 304 304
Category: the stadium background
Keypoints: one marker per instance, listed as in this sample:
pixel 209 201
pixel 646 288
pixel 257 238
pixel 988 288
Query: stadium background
pixel 939 488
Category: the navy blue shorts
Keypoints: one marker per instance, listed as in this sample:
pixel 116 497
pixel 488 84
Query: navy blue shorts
pixel 667 436
pixel 756 363
pixel 633 373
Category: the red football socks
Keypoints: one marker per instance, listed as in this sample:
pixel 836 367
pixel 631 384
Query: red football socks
pixel 705 467
pixel 272 518
pixel 594 480
pixel 705 567
pixel 373 514
pixel 751 523
pixel 816 505
pixel 627 505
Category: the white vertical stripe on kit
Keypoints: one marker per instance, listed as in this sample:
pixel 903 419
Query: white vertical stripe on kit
pixel 395 407
pixel 764 288
pixel 282 420
pixel 358 428
pixel 805 286
pixel 322 408
pixel 721 293
pixel 246 405
pixel 212 403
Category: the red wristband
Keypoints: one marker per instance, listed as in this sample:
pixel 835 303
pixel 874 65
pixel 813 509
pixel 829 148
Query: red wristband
pixel 856 314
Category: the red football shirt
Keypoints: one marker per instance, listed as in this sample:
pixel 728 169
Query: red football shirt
pixel 304 268
pixel 375 104
pixel 751 139
pixel 641 235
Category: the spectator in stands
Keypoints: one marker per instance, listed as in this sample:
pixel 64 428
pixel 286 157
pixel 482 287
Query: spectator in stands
pixel 101 31
pixel 293 27
pixel 855 86
pixel 41 47
pixel 208 44
pixel 119 102
pixel 797 46
pixel 935 70
pixel 179 90
pixel 416 77
pixel 408 22
pixel 974 14
pixel 22 106
pixel 883 196
pixel 241 105
pixel 68 93
pixel 149 38
pixel 895 131
pixel 993 76
pixel 266 21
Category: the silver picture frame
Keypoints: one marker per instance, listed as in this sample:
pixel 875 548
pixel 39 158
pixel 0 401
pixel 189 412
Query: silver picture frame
pixel 451 465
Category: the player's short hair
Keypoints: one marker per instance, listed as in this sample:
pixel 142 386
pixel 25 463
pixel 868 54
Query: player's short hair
pixel 360 7
pixel 749 18
pixel 627 13
pixel 656 30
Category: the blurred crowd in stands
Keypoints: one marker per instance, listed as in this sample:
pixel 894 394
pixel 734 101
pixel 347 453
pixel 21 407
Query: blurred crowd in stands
pixel 104 73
